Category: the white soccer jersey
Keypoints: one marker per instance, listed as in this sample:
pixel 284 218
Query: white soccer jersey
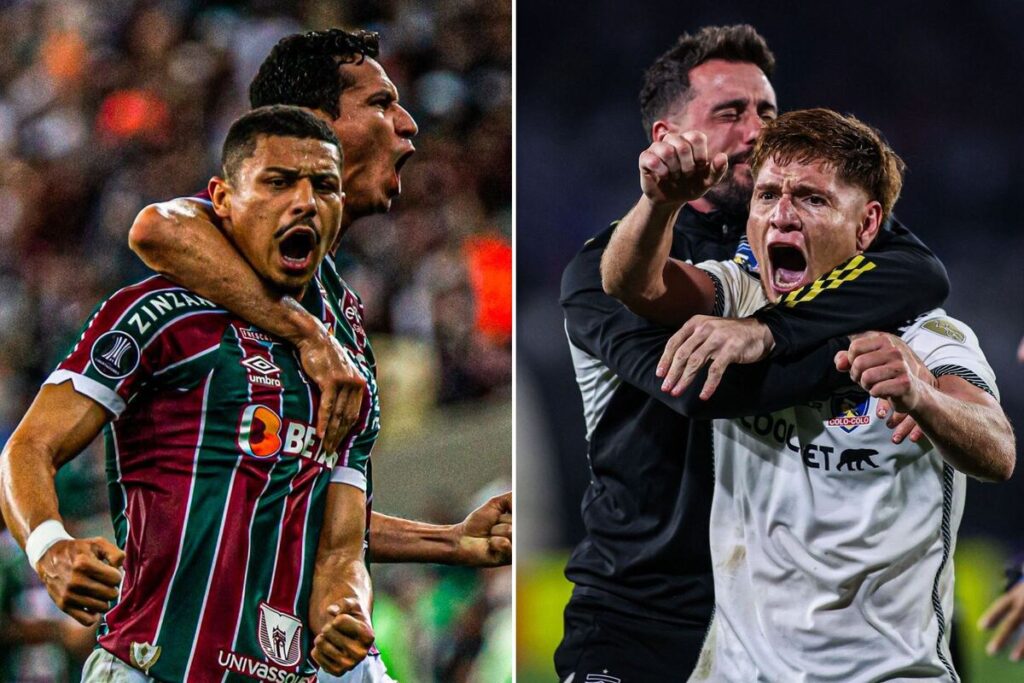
pixel 831 545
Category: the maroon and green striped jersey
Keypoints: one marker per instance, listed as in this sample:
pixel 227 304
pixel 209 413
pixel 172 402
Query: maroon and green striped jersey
pixel 216 478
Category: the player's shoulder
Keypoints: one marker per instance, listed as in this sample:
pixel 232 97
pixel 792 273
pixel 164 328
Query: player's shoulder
pixel 935 328
pixel 147 308
pixel 583 272
pixel 949 346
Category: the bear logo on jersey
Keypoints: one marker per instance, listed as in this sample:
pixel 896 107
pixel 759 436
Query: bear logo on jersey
pixel 850 410
pixel 280 635
pixel 115 354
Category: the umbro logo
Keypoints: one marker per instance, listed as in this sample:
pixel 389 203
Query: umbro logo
pixel 261 365
pixel 261 371
pixel 602 677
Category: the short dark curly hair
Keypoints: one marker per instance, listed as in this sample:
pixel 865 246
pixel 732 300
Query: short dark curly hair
pixel 667 81
pixel 285 121
pixel 302 69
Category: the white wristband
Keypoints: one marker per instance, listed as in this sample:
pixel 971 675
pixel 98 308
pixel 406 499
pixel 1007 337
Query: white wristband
pixel 43 537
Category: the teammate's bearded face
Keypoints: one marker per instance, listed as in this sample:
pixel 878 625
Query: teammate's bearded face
pixel 804 221
pixel 376 133
pixel 729 102
pixel 283 208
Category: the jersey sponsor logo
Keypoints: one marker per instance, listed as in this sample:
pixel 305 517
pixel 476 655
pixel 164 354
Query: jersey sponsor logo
pixel 353 312
pixel 253 668
pixel 945 328
pixel 814 456
pixel 144 655
pixel 280 635
pixel 158 306
pixel 259 432
pixel 850 410
pixel 115 354
pixel 256 336
pixel 262 433
pixel 856 458
pixel 848 272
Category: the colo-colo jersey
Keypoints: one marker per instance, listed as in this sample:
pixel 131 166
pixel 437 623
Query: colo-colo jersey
pixel 832 546
pixel 217 481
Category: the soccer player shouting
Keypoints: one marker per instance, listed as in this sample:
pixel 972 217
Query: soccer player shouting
pixel 240 534
pixel 643 593
pixel 336 75
pixel 830 540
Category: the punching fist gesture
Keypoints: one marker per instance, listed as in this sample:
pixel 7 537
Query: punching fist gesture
pixel 82 576
pixel 345 640
pixel 676 169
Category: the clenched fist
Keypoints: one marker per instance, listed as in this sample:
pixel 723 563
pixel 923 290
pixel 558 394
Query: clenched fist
pixel 82 576
pixel 345 640
pixel 676 169
pixel 886 368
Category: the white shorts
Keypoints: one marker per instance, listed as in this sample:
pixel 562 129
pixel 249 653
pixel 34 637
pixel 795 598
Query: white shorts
pixel 103 667
pixel 370 670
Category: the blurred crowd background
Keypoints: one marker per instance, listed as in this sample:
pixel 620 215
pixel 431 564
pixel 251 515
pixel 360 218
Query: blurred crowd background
pixel 943 84
pixel 109 105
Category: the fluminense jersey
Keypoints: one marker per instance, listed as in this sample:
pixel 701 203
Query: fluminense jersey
pixel 217 481
pixel 832 546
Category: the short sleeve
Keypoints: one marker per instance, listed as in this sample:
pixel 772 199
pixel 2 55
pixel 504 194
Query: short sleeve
pixel 134 337
pixel 947 346
pixel 738 289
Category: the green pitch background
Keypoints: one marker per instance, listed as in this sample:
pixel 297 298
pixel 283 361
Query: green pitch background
pixel 542 591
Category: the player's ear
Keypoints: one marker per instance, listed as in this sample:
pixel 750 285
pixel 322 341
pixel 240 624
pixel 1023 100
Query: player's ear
pixel 869 226
pixel 220 196
pixel 661 128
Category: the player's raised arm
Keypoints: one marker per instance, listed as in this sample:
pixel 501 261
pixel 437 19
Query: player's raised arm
pixel 483 539
pixel 180 239
pixel 636 268
pixel 339 605
pixel 82 576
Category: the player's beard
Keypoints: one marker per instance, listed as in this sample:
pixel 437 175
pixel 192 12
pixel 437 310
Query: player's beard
pixel 732 195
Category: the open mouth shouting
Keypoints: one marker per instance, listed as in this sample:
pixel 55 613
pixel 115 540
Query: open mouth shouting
pixel 403 157
pixel 787 267
pixel 297 246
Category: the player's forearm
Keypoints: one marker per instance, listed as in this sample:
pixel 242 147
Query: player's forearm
pixel 28 496
pixel 875 291
pixel 768 385
pixel 337 576
pixel 633 263
pixel 178 239
pixel 393 539
pixel 972 435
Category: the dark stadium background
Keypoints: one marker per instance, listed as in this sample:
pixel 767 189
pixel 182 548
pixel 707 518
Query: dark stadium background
pixel 108 105
pixel 945 85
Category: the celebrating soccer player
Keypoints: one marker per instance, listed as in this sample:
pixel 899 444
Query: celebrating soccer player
pixel 830 539
pixel 336 75
pixel 239 533
pixel 643 588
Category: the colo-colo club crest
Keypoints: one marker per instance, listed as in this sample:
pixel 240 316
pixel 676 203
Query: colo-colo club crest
pixel 280 636
pixel 850 410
